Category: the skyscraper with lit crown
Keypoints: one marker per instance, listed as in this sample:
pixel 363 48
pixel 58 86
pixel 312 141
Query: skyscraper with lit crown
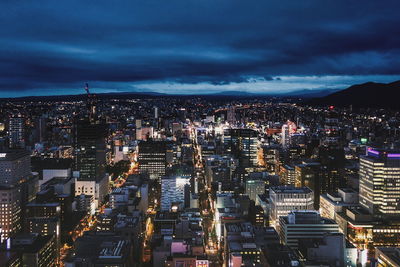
pixel 380 182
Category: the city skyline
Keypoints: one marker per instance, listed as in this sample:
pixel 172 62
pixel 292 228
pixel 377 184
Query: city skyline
pixel 199 133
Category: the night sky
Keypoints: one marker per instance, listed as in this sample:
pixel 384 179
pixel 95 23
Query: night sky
pixel 52 47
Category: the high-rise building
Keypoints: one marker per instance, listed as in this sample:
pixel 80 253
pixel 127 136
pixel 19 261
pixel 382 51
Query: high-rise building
pixel 90 160
pixel 35 250
pixel 15 167
pixel 380 182
pixel 216 161
pixel 156 112
pixel 231 115
pixel 314 177
pixel 40 129
pixel 10 211
pixel 270 158
pixel 331 127
pixel 90 154
pixel 44 219
pixel 153 158
pixel 254 188
pixel 17 131
pixel 287 175
pixel 284 199
pixel 15 176
pixel 287 130
pixel 242 144
pixel 388 257
pixel 332 160
pixel 173 191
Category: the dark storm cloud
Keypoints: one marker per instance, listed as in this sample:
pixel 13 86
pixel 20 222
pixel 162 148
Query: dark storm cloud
pixel 61 44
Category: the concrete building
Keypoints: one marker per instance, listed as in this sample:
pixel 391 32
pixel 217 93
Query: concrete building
pixel 287 175
pixel 330 203
pixel 17 132
pixel 173 191
pixel 284 199
pixel 102 249
pixel 332 249
pixel 254 188
pixel 306 224
pixel 313 176
pixel 17 186
pixel 242 144
pixel 35 250
pixel 10 211
pixel 15 166
pixel 287 130
pixel 387 257
pixel 90 160
pixel 152 158
pixel 380 182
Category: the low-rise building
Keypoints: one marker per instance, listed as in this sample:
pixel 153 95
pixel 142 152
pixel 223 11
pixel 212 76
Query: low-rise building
pixel 298 225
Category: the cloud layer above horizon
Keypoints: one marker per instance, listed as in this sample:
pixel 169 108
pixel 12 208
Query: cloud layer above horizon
pixel 192 46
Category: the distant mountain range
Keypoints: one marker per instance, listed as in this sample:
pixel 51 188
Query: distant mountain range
pixel 306 93
pixel 370 94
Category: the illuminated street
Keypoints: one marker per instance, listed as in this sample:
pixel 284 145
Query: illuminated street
pixel 206 206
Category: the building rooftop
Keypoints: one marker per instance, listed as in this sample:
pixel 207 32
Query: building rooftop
pixel 393 254
pixel 290 189
pixel 12 154
pixel 29 243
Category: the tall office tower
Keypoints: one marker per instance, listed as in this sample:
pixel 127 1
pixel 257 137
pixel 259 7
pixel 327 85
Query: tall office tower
pixel 10 211
pixel 387 256
pixel 287 175
pixel 90 154
pixel 17 132
pixel 226 162
pixel 302 225
pixel 380 182
pixel 231 115
pixel 45 219
pixel 242 144
pixel 331 127
pixel 153 158
pixel 254 188
pixel 15 172
pixel 270 158
pixel 297 139
pixel 176 128
pixel 284 199
pixel 156 112
pixel 287 130
pixel 40 129
pixel 314 176
pixel 173 190
pixel 34 250
pixel 15 167
pixel 90 160
pixel 333 160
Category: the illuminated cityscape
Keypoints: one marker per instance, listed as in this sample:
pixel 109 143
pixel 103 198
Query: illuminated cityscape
pixel 199 134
